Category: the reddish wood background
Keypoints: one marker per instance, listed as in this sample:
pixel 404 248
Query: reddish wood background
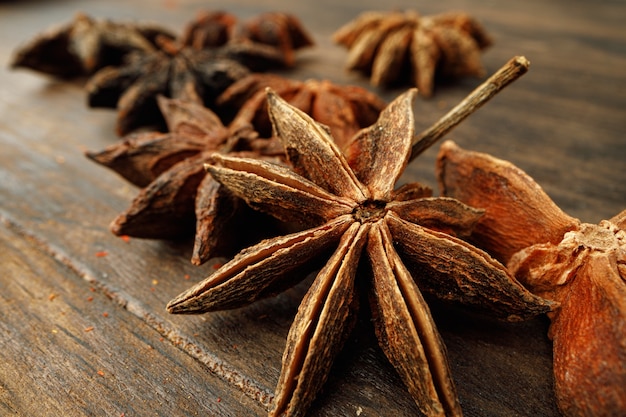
pixel 88 335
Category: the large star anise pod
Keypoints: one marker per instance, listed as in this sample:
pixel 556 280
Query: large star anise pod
pixel 402 232
pixel 190 67
pixel 401 47
pixel 85 45
pixel 177 195
pixel 582 266
pixel 343 109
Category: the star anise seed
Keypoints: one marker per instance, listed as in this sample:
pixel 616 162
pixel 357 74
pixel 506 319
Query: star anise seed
pixel 85 45
pixel 579 265
pixel 343 109
pixel 396 47
pixel 358 212
pixel 177 195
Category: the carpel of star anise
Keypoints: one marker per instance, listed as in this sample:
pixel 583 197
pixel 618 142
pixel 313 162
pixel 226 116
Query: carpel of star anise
pixel 85 45
pixel 405 47
pixel 190 67
pixel 579 265
pixel 403 232
pixel 177 195
pixel 344 109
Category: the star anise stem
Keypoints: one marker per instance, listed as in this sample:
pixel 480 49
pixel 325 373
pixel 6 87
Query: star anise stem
pixel 511 71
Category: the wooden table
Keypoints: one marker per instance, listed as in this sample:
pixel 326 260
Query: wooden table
pixel 86 334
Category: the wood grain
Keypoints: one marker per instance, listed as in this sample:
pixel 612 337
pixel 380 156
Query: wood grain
pixel 562 122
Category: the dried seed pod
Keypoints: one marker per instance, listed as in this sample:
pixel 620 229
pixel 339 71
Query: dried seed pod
pixel 198 65
pixel 177 195
pixel 343 109
pixel 358 213
pixel 401 47
pixel 84 45
pixel 580 266
pixel 282 30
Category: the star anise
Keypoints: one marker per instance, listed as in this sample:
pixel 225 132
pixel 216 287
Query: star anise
pixel 177 195
pixel 189 67
pixel 209 29
pixel 396 47
pixel 343 109
pixel 282 30
pixel 403 232
pixel 85 45
pixel 581 266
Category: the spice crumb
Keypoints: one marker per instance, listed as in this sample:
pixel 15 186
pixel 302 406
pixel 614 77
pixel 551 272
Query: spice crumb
pixel 101 254
pixel 89 298
pixel 88 329
pixel 52 296
pixel 105 314
pixel 100 372
pixel 125 238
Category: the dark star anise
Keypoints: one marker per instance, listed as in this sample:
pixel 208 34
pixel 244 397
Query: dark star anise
pixel 189 67
pixel 403 232
pixel 343 109
pixel 177 194
pixel 401 47
pixel 85 45
pixel 582 266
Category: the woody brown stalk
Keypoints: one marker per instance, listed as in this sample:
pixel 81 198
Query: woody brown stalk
pixel 511 71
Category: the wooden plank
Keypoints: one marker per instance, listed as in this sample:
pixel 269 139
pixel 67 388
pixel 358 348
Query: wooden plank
pixel 562 123
pixel 65 349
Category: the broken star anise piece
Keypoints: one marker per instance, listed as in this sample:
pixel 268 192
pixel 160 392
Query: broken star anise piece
pixel 343 109
pixel 358 212
pixel 581 266
pixel 400 47
pixel 177 195
pixel 85 45
pixel 181 68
